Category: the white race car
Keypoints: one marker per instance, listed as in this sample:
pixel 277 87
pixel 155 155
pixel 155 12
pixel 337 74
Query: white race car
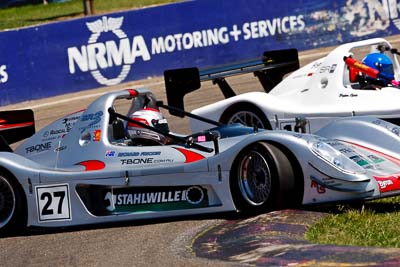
pixel 337 85
pixel 100 166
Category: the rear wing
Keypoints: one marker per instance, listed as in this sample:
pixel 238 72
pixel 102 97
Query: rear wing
pixel 15 125
pixel 269 71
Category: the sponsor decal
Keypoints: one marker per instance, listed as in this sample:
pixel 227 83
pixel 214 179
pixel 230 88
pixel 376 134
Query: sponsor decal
pixel 316 65
pixel 134 161
pixel 377 122
pixel 369 16
pixel 53 203
pixel 137 161
pixel 128 154
pixel 58 131
pixel 135 199
pixel 38 148
pixel 110 153
pixel 109 47
pixel 394 129
pixel 385 156
pixel 93 118
pixel 53 134
pixel 96 135
pixel 333 68
pixel 388 183
pixel 346 150
pixel 3 74
pixel 163 161
pixel 69 122
pixel 96 56
pixel 348 95
pixel 330 68
pixel 359 160
pixel 375 159
pixel 135 154
pixel 69 119
pixel 60 148
pixel 333 143
pixel 46 134
pixel 320 189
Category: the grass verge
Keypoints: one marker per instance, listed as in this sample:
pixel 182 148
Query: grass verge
pixel 374 223
pixel 27 15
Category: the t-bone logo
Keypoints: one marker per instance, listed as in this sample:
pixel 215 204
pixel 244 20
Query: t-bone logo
pixel 97 56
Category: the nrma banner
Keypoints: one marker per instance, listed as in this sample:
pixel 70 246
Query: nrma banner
pixel 106 50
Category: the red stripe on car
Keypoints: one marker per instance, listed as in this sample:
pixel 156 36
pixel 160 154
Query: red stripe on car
pixel 190 155
pixel 92 165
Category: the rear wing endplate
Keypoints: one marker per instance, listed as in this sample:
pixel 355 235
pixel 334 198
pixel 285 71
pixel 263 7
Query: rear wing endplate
pixel 270 70
pixel 16 125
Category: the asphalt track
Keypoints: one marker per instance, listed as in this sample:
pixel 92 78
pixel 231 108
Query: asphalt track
pixel 273 239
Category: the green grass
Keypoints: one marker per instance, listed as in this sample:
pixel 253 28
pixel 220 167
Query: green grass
pixel 374 223
pixel 27 15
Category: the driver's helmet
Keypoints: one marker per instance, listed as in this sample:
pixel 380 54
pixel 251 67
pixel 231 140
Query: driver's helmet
pixel 151 117
pixel 380 62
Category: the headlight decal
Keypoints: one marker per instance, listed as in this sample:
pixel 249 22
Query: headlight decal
pixel 332 152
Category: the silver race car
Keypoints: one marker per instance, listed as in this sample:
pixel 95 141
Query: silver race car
pixel 89 167
pixel 359 78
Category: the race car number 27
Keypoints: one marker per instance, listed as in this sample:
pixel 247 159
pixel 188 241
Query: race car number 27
pixel 53 202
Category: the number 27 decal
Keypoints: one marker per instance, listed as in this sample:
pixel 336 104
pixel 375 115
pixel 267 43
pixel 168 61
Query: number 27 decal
pixel 53 202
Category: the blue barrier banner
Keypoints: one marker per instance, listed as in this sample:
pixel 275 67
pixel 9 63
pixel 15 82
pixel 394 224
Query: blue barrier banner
pixel 105 50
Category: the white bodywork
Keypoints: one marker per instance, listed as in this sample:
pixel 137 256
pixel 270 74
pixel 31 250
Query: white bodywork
pixel 319 92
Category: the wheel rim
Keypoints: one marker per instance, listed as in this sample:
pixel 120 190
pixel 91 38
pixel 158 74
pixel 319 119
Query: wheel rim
pixel 247 118
pixel 7 202
pixel 254 178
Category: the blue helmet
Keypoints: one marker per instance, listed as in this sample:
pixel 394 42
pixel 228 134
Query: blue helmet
pixel 380 62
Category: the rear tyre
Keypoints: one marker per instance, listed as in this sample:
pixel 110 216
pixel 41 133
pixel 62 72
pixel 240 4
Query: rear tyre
pixel 261 177
pixel 12 207
pixel 246 114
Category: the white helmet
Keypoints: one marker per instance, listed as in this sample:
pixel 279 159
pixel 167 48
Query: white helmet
pixel 151 117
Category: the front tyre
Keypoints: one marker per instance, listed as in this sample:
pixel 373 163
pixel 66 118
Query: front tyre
pixel 260 178
pixel 12 208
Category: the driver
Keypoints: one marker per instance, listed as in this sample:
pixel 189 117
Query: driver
pixel 384 65
pixel 142 136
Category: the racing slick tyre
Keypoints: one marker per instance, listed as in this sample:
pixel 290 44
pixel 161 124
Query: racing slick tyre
pixel 246 114
pixel 263 178
pixel 12 205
